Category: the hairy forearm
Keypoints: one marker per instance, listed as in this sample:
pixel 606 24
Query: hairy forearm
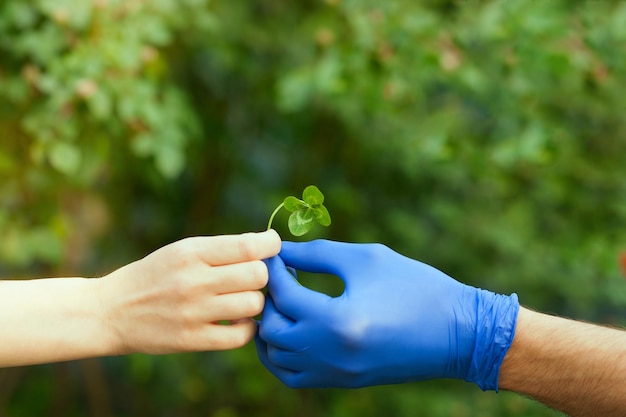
pixel 50 320
pixel 573 367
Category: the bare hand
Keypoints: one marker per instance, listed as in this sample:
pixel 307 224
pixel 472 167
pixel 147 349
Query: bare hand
pixel 174 299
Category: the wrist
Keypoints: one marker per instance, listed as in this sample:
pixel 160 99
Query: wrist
pixel 574 367
pixel 514 358
pixel 103 295
pixel 496 319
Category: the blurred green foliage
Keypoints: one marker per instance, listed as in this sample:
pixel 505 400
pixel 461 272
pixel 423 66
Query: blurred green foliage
pixel 484 137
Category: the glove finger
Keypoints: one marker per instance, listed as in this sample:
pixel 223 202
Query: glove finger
pixel 317 256
pixel 286 359
pixel 345 260
pixel 289 297
pixel 286 376
pixel 276 328
pixel 348 261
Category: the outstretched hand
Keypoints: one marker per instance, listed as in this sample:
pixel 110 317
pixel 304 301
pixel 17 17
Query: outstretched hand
pixel 398 320
pixel 175 298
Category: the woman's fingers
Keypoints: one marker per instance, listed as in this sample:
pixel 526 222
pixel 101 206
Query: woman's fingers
pixel 171 300
pixel 223 337
pixel 229 249
pixel 233 306
pixel 251 275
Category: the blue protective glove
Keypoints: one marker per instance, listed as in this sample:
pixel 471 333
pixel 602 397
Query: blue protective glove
pixel 398 320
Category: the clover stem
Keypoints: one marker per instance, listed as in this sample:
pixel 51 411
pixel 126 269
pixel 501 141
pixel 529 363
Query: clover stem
pixel 269 224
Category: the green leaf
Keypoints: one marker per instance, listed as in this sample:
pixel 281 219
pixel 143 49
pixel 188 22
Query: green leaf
pixel 312 195
pixel 301 222
pixel 294 204
pixel 65 157
pixel 321 215
pixel 101 105
pixel 295 90
pixel 304 213
pixel 169 161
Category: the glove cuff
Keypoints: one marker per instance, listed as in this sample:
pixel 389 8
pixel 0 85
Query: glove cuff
pixel 496 320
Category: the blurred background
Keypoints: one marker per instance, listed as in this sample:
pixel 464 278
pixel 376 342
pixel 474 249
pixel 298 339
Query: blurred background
pixel 486 138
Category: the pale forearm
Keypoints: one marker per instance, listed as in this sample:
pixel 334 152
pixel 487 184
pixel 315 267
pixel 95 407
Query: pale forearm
pixel 574 367
pixel 50 320
pixel 173 300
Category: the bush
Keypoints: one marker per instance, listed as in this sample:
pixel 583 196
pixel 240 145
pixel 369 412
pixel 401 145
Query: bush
pixel 485 138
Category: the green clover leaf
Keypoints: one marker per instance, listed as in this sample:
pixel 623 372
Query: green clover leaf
pixel 304 212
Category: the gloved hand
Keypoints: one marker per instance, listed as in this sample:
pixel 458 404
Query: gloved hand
pixel 398 320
